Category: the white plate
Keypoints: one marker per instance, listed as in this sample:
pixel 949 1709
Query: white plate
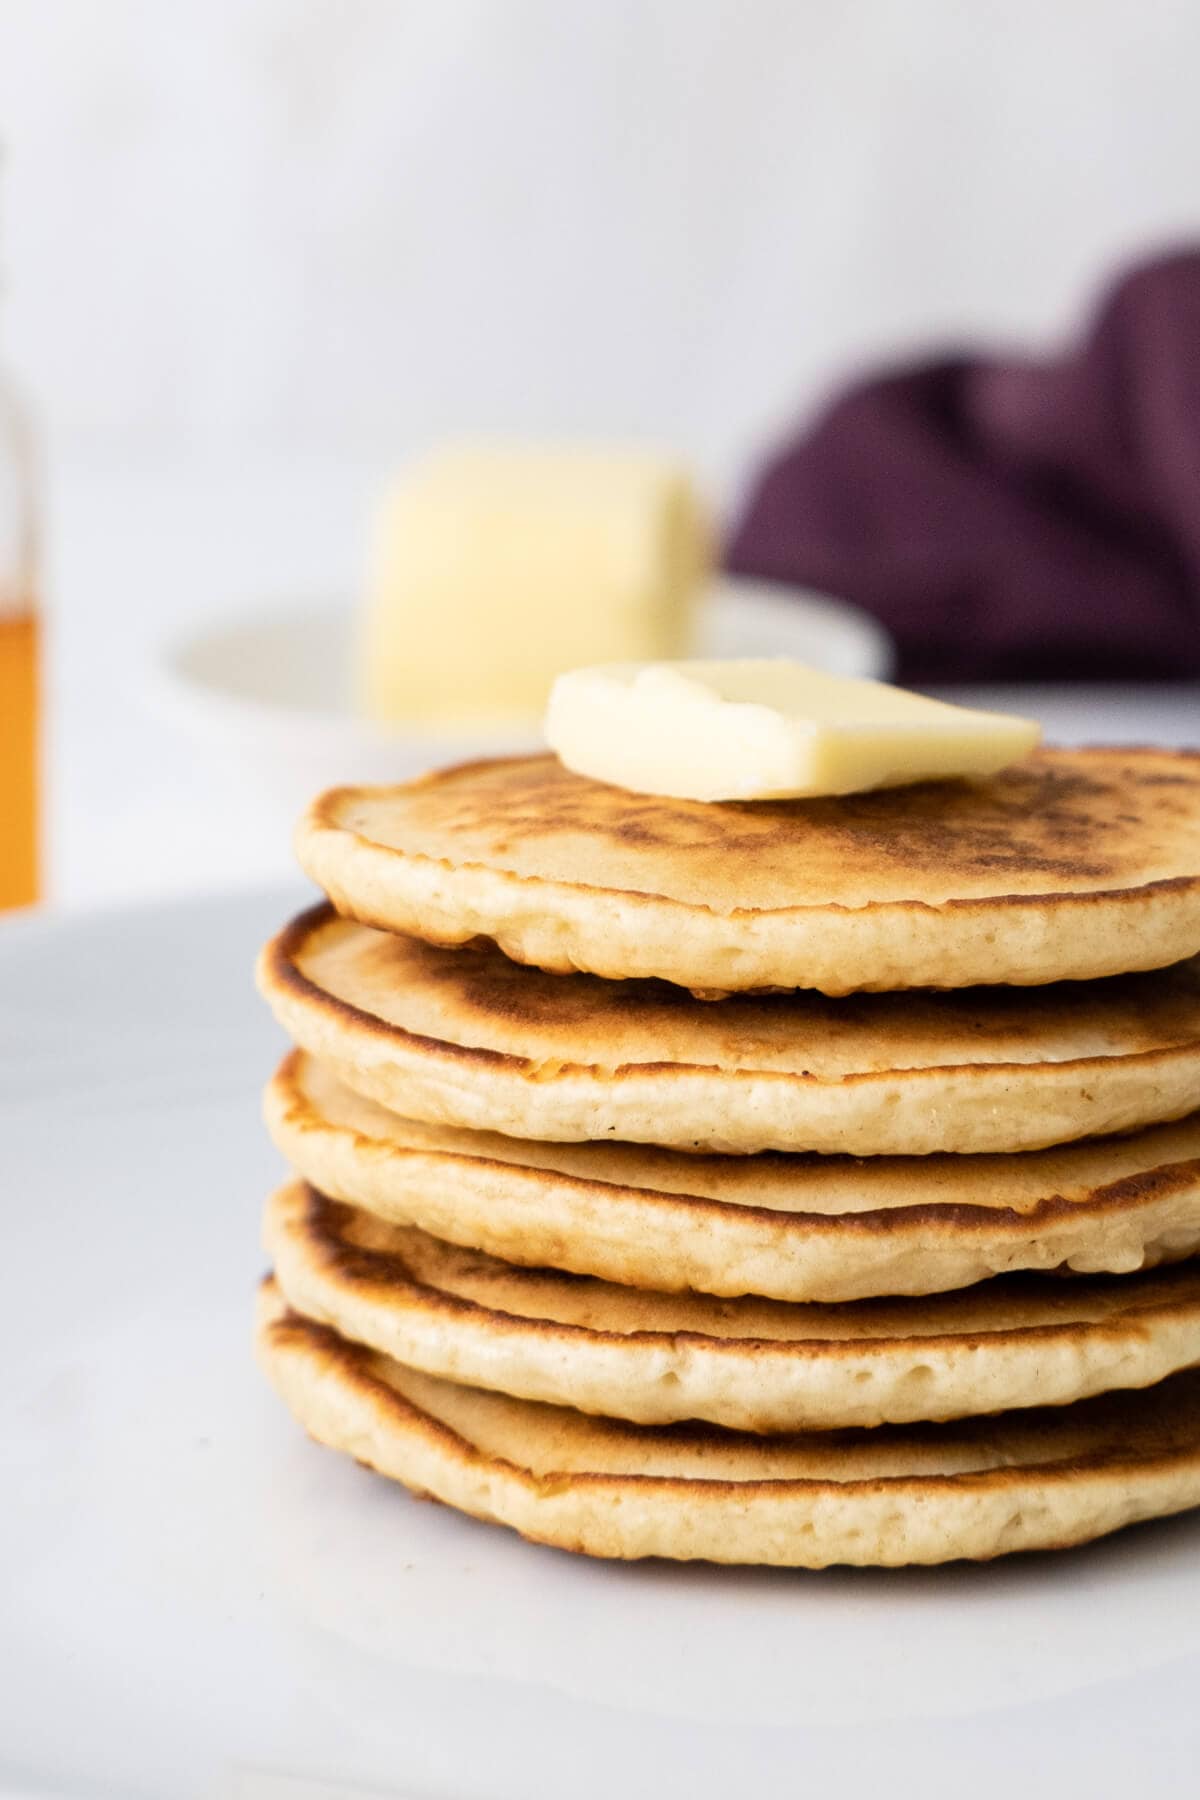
pixel 196 1601
pixel 270 692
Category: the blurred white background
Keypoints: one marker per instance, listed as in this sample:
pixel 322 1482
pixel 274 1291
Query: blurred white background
pixel 343 227
pixel 259 251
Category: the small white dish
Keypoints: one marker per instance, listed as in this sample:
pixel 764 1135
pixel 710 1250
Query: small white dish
pixel 272 690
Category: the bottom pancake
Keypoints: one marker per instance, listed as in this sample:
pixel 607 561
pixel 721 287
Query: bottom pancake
pixel 1035 1480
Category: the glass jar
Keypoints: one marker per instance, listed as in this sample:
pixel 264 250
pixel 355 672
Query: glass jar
pixel 19 658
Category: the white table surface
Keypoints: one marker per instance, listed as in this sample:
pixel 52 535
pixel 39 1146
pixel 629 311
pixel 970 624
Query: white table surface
pixel 135 811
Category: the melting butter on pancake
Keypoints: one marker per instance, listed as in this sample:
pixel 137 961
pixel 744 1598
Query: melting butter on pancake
pixel 766 728
pixel 1073 864
pixel 795 1227
pixel 752 1364
pixel 469 1038
pixel 901 1494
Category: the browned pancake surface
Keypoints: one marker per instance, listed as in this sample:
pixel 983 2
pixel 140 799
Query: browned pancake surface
pixel 1062 822
pixel 476 1000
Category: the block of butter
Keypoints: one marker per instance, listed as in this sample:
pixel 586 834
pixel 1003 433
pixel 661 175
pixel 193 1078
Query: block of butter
pixel 766 730
pixel 493 569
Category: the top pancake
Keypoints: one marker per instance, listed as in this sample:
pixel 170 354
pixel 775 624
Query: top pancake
pixel 1070 865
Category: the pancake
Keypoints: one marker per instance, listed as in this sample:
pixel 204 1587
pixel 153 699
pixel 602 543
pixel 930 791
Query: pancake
pixel 754 1365
pixel 792 1227
pixel 901 1494
pixel 466 1037
pixel 1072 864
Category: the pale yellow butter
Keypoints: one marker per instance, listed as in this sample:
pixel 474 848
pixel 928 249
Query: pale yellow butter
pixel 495 568
pixel 765 730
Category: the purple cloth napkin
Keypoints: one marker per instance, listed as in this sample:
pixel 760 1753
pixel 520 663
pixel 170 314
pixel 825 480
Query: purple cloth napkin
pixel 1015 518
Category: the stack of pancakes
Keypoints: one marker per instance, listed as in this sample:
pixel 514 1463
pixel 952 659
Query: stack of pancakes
pixel 781 1182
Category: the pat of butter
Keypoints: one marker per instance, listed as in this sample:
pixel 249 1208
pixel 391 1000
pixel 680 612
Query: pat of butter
pixel 766 730
pixel 496 568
